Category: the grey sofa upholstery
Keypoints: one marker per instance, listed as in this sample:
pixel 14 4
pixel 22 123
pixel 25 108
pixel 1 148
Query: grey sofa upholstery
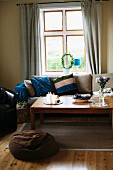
pixel 86 83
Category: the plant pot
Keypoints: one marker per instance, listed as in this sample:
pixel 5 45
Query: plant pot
pixel 66 71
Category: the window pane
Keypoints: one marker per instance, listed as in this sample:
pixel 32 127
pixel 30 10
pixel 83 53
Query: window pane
pixel 53 21
pixel 54 51
pixel 74 20
pixel 75 46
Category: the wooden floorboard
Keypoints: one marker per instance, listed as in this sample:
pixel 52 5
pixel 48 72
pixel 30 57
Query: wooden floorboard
pixel 64 160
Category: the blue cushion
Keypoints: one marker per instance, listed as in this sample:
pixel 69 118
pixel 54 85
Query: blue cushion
pixel 41 85
pixel 22 91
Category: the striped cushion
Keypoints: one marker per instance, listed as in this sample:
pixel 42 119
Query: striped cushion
pixel 65 85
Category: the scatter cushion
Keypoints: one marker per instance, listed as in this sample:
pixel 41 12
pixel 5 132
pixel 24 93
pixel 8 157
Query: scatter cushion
pixel 22 92
pixel 65 85
pixel 53 89
pixel 84 83
pixel 32 145
pixel 29 86
pixel 41 85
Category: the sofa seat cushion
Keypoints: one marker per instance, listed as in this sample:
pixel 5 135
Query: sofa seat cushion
pixel 41 85
pixel 84 83
pixel 65 85
pixel 31 100
pixel 32 145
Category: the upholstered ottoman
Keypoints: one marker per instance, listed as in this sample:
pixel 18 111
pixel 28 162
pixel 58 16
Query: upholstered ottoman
pixel 32 145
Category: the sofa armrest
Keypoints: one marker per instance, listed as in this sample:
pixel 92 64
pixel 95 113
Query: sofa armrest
pixel 11 98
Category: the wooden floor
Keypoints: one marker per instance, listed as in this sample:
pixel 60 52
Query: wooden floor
pixel 64 160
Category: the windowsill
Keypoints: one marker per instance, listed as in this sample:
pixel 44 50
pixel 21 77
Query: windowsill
pixel 54 74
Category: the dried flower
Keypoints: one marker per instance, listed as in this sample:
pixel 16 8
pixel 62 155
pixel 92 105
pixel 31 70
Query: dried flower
pixel 102 81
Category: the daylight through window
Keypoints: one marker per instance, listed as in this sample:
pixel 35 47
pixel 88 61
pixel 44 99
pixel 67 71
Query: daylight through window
pixel 61 32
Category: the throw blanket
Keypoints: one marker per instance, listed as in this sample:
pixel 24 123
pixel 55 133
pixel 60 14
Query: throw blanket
pixel 41 86
pixel 22 92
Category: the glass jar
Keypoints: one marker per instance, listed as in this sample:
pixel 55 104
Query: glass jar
pixel 101 97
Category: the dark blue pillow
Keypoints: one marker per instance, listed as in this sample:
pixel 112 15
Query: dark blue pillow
pixel 41 85
pixel 22 92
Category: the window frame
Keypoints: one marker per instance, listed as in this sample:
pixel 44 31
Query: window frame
pixel 66 20
pixel 49 71
pixel 53 7
pixel 44 21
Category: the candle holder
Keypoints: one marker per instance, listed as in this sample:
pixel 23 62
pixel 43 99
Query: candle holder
pixel 77 64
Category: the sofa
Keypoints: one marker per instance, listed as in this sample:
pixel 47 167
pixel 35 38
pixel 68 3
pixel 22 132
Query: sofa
pixel 8 114
pixel 30 90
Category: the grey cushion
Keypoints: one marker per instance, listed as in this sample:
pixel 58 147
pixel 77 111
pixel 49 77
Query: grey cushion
pixel 29 86
pixel 32 145
pixel 84 83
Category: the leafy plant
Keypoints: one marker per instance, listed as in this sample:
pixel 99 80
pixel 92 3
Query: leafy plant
pixel 102 81
pixel 70 60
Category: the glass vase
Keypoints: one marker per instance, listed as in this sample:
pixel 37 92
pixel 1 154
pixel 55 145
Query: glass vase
pixel 101 97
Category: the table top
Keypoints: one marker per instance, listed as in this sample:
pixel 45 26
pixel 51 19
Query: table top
pixel 69 102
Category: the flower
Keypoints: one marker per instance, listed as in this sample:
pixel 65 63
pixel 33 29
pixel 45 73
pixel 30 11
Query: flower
pixel 102 81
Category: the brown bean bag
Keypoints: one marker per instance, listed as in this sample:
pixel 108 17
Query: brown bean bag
pixel 32 145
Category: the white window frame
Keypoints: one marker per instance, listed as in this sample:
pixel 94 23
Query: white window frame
pixel 52 6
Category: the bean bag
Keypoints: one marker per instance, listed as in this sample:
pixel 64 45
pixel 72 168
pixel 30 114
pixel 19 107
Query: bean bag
pixel 32 145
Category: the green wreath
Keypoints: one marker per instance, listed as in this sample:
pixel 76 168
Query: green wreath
pixel 70 62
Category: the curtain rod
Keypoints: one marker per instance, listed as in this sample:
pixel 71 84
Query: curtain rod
pixel 47 2
pixel 53 2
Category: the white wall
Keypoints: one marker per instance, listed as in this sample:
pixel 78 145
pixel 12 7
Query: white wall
pixel 107 37
pixel 9 45
pixel 10 42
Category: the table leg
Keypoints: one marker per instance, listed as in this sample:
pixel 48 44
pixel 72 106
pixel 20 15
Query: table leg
pixel 41 118
pixel 32 118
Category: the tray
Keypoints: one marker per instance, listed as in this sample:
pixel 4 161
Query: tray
pixel 53 104
pixel 81 101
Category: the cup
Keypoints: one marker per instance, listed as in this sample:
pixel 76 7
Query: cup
pixel 54 101
pixel 48 99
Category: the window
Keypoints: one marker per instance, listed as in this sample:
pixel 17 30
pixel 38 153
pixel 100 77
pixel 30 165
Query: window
pixel 61 32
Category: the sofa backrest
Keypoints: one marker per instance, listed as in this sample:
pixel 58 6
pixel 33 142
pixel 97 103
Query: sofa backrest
pixel 109 84
pixel 84 82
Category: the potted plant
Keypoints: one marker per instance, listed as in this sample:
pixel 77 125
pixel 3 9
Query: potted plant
pixel 67 62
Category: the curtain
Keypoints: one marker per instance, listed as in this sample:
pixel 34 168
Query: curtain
pixel 29 23
pixel 92 25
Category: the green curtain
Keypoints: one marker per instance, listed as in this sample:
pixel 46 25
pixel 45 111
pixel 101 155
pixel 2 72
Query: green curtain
pixel 92 23
pixel 29 28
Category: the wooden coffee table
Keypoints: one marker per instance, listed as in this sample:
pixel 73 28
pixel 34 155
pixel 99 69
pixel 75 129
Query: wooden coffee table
pixel 71 107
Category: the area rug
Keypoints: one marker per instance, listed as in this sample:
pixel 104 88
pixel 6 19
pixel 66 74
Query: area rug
pixel 78 135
